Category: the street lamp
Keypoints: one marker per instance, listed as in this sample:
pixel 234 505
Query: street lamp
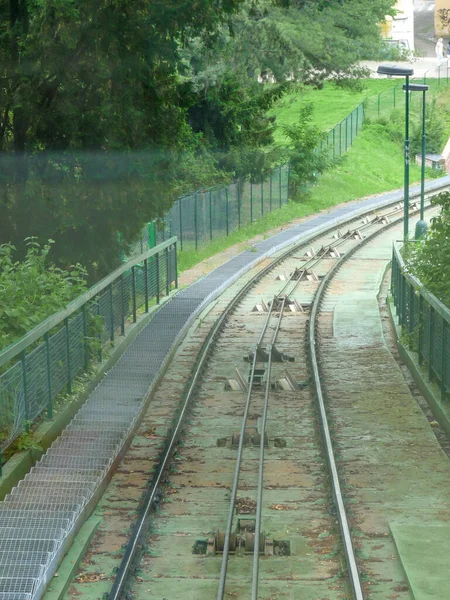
pixel 402 72
pixel 421 225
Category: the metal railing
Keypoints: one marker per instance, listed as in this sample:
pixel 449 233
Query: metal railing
pixel 425 321
pixel 43 364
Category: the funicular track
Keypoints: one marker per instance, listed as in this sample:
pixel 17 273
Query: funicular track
pixel 264 349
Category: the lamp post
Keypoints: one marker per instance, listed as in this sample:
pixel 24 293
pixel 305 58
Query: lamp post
pixel 421 225
pixel 402 72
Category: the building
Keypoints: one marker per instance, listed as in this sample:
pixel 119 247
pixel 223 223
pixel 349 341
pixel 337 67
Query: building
pixel 400 29
pixel 441 27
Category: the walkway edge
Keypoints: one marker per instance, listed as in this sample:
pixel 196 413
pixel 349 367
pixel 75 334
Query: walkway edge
pixel 69 565
pixel 15 469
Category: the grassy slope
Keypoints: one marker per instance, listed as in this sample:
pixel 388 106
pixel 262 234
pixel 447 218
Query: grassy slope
pixel 331 104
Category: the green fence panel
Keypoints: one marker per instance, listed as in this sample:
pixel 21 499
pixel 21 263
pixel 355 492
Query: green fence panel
pixel 43 364
pixel 425 320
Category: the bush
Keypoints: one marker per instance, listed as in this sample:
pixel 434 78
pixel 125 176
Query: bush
pixel 430 258
pixel 33 289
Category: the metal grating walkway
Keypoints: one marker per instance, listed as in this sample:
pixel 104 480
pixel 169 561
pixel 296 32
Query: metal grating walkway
pixel 40 517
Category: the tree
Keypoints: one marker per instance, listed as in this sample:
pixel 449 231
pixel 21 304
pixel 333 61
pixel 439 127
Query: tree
pixel 92 122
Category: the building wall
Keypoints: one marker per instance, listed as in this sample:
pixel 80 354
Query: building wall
pixel 439 30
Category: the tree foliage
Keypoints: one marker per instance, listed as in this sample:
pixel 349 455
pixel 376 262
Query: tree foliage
pixel 430 259
pixel 33 289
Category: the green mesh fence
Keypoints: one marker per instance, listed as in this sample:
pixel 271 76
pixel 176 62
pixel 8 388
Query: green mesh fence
pixel 197 219
pixel 425 321
pixel 44 363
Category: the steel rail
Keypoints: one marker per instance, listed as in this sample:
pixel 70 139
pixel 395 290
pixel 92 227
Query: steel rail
pixel 336 486
pixel 255 575
pixel 237 469
pixel 149 501
pixel 314 260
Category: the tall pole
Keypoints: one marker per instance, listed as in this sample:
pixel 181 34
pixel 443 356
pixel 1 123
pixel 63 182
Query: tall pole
pixel 406 182
pixel 421 226
pixel 422 179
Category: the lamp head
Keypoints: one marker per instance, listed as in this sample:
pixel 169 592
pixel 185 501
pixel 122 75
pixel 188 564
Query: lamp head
pixel 416 87
pixel 395 71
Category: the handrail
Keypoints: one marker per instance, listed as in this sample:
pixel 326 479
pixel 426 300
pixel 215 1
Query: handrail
pixel 438 306
pixel 45 326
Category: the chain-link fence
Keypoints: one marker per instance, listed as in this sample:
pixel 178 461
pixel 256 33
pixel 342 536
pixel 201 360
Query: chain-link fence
pixel 199 218
pixel 44 363
pixel 382 105
pixel 424 320
pixel 342 136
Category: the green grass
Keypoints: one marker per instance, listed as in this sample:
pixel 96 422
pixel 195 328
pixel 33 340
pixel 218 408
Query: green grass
pixel 373 165
pixel 332 104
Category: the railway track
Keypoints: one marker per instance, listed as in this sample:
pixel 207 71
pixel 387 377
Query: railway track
pixel 260 415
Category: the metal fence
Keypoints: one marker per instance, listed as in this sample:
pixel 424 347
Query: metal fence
pixel 388 100
pixel 44 363
pixel 342 136
pixel 199 218
pixel 425 320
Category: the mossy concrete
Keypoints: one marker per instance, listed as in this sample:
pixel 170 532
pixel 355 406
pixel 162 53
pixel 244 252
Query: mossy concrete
pixel 424 550
pixel 62 579
pixel 15 469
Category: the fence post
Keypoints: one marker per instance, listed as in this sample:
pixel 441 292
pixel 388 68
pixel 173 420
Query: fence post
pixel 288 181
pixel 346 134
pixel 69 367
pixel 351 128
pixel 176 265
pixel 157 278
pixel 195 221
pixel 122 304
pixel 210 216
pixel 180 201
pixel 146 283
pixel 334 142
pixel 270 191
pixel 227 211
pixel 49 376
pixel 262 196
pixel 25 388
pixel 85 334
pixel 99 335
pixel 430 345
pixel 444 338
pixel 111 307
pixel 251 201
pixel 133 291
pixel 167 271
pixel 420 344
pixel 238 184
pixel 279 173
